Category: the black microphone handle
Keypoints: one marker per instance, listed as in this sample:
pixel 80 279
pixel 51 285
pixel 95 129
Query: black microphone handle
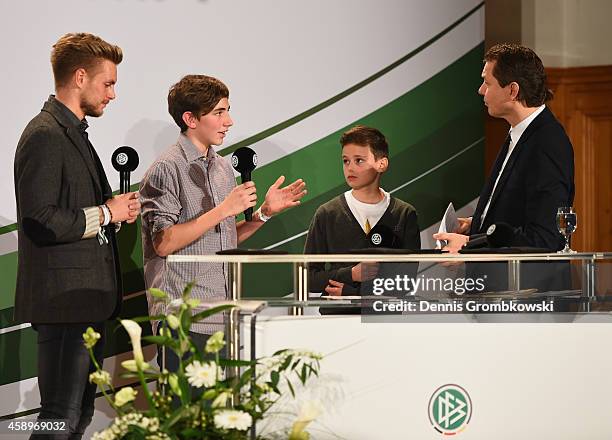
pixel 124 182
pixel 245 176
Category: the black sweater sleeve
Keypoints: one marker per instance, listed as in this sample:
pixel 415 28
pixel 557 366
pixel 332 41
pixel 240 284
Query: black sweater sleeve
pixel 317 243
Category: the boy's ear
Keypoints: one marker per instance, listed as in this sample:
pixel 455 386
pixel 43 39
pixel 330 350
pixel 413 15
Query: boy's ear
pixel 189 119
pixel 382 164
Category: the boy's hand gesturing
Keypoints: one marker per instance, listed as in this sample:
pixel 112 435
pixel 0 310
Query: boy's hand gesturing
pixel 278 199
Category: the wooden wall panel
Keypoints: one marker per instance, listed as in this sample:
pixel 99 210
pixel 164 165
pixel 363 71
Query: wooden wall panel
pixel 583 104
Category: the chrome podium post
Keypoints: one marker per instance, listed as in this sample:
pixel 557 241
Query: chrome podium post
pixel 588 282
pixel 235 281
pixel 233 322
pixel 514 275
pixel 300 286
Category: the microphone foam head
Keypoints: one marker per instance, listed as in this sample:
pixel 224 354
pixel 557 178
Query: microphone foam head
pixel 244 159
pixel 382 236
pixel 125 159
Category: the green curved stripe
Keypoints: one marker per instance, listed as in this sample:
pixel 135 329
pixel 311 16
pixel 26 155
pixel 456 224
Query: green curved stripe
pixel 294 120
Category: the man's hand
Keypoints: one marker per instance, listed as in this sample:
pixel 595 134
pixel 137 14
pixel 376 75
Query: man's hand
pixel 465 223
pixel 242 197
pixel 334 288
pixel 278 199
pixel 364 271
pixel 124 207
pixel 454 241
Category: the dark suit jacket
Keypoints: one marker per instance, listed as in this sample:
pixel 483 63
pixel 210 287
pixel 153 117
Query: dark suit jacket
pixel 537 179
pixel 61 278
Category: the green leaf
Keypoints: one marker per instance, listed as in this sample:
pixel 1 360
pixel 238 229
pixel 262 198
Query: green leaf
pixel 274 377
pixel 209 312
pixel 286 362
pixel 303 374
pixel 290 387
pixel 158 293
pixel 185 389
pixel 149 318
pixel 246 376
pixel 209 394
pixel 185 321
pixel 159 340
pixel 187 290
pixel 175 417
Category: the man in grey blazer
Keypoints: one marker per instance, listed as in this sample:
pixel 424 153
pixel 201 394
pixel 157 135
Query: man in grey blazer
pixel 68 273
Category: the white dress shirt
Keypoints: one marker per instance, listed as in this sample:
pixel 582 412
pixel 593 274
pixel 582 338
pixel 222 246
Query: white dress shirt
pixel 515 134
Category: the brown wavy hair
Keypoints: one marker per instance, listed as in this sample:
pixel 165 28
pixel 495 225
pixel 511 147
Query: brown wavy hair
pixel 80 50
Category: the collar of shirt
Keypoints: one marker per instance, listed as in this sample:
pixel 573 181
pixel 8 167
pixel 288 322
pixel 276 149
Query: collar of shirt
pixel 192 153
pixel 67 113
pixel 517 131
pixel 83 126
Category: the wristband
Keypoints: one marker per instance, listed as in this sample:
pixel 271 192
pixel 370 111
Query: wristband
pixel 107 215
pixel 264 218
pixel 110 213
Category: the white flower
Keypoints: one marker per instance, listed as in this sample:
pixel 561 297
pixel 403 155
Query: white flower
pixel 173 321
pixel 90 337
pixel 233 419
pixel 130 365
pixel 309 411
pixel 125 395
pixel 193 302
pixel 202 374
pixel 134 331
pixel 221 399
pixel 174 384
pixel 175 304
pixel 100 377
pixel 215 342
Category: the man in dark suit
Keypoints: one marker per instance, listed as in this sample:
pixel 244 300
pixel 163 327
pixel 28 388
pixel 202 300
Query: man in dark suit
pixel 68 269
pixel 533 174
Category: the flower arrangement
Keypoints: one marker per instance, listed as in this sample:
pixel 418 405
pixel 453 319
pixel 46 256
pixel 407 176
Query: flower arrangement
pixel 198 401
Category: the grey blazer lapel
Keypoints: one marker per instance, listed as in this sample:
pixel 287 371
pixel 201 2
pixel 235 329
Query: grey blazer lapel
pixel 79 143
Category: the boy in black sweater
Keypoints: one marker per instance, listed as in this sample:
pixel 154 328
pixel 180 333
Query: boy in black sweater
pixel 343 223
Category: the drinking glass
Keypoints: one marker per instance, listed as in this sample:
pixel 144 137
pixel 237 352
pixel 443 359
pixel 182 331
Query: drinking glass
pixel 566 223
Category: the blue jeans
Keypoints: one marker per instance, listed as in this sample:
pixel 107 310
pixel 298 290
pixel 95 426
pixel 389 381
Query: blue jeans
pixel 63 376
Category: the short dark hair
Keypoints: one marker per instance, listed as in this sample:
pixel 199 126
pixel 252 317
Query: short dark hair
pixel 198 94
pixel 80 50
pixel 367 137
pixel 516 63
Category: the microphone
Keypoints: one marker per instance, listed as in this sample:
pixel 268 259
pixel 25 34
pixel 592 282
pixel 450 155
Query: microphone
pixel 501 235
pixel 476 241
pixel 382 236
pixel 124 160
pixel 244 160
pixel 498 235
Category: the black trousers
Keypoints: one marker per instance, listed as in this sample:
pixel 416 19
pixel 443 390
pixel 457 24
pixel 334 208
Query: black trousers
pixel 64 366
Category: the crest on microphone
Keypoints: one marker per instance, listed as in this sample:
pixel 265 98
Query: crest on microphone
pixel 122 158
pixel 376 239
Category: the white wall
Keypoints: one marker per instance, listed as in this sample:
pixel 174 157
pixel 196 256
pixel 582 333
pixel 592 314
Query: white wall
pixel 567 33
